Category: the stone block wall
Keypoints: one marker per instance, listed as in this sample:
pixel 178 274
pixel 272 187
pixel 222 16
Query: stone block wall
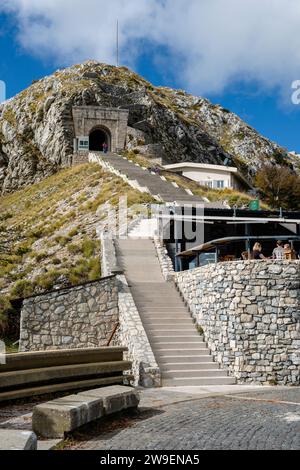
pixel 79 317
pixel 115 120
pixel 250 315
pixel 79 158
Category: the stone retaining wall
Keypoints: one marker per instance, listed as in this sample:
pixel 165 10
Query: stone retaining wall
pixel 79 317
pixel 250 314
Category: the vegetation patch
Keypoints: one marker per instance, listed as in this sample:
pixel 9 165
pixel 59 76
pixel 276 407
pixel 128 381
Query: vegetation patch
pixel 48 233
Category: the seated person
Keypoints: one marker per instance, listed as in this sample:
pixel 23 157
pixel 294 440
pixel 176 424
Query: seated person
pixel 245 256
pixel 289 253
pixel 257 252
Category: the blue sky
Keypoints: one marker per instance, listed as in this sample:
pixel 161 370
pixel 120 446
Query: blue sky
pixel 264 102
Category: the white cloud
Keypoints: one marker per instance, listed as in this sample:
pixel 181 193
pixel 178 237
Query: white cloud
pixel 211 43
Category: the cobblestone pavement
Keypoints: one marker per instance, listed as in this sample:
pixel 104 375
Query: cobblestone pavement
pixel 268 419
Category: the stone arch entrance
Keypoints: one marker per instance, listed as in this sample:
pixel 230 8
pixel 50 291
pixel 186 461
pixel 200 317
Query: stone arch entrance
pixel 98 137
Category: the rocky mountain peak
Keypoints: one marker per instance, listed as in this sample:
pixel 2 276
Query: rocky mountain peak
pixel 37 131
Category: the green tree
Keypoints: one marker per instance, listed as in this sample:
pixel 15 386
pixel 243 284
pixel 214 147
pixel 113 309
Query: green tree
pixel 279 187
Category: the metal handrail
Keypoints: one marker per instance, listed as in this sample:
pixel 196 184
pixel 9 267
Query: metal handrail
pixel 113 333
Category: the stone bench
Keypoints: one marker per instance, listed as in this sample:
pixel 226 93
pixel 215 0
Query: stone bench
pixel 55 418
pixel 45 372
pixel 17 440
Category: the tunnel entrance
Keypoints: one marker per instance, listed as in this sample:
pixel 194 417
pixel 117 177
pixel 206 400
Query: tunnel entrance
pixel 98 137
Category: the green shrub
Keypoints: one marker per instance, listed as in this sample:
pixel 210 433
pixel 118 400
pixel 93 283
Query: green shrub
pixel 6 216
pixel 47 281
pixel 88 247
pixel 94 269
pixel 74 249
pixel 73 233
pixel 22 289
pixel 41 256
pixel 63 241
pixel 5 307
pixel 85 270
pixel 23 248
pixel 37 233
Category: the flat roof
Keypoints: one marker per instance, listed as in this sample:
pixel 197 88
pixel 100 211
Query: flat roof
pixel 225 241
pixel 223 214
pixel 201 166
pixel 208 166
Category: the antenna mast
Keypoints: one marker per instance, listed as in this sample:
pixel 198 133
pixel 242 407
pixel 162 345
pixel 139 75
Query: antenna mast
pixel 118 52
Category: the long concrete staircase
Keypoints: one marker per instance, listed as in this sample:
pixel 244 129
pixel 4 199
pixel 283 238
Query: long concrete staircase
pixel 180 351
pixel 156 184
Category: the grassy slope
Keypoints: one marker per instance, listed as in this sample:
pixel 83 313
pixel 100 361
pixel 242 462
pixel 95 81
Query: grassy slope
pixel 48 230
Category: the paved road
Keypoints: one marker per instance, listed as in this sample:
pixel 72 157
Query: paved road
pixel 268 419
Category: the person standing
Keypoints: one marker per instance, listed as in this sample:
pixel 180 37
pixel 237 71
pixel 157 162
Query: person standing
pixel 278 252
pixel 105 147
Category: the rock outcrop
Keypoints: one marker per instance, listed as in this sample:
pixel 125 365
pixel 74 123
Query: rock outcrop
pixel 36 126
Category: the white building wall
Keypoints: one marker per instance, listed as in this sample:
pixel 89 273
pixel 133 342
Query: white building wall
pixel 201 176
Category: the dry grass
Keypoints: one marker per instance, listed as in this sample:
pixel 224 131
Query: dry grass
pixel 48 230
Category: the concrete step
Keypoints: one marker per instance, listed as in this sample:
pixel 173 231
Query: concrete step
pixel 160 287
pixel 177 340
pixel 160 346
pixel 175 324
pixel 154 327
pixel 163 310
pixel 194 373
pixel 161 305
pixel 168 320
pixel 162 302
pixel 153 296
pixel 185 359
pixel 196 366
pixel 163 353
pixel 170 331
pixel 196 381
pixel 178 335
pixel 166 323
pixel 166 314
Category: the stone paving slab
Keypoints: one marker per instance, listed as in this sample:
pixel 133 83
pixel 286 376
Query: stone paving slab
pixel 170 395
pixel 196 418
pixel 284 395
pixel 22 423
pixel 253 418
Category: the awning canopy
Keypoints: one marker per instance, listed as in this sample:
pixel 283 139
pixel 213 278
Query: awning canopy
pixel 214 244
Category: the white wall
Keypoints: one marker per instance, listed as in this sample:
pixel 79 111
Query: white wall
pixel 208 175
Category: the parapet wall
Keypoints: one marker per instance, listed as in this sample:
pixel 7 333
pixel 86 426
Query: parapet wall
pixel 250 315
pixel 79 317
